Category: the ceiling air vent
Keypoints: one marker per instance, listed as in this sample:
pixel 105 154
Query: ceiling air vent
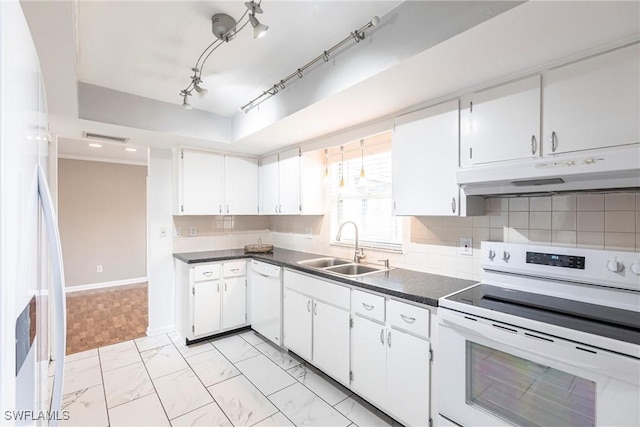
pixel 109 138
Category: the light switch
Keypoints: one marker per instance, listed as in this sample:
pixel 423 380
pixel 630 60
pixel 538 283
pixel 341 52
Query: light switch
pixel 193 231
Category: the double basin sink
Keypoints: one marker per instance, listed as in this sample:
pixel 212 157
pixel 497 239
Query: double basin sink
pixel 341 267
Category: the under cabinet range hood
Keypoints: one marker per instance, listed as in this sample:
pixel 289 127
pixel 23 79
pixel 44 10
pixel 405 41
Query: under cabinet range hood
pixel 606 169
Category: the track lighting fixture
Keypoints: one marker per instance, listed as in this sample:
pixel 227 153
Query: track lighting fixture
pixel 224 28
pixel 356 35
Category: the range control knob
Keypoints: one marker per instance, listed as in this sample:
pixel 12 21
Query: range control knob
pixel 505 256
pixel 491 254
pixel 635 268
pixel 615 266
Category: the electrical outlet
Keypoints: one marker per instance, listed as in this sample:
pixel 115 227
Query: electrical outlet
pixel 163 231
pixel 308 232
pixel 465 246
pixel 98 268
pixel 193 231
pixel 178 232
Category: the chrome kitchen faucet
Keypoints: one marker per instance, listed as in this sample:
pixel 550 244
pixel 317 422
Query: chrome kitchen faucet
pixel 359 253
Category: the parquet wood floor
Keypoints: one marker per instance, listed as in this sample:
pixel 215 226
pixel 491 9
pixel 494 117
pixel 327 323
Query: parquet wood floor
pixel 106 316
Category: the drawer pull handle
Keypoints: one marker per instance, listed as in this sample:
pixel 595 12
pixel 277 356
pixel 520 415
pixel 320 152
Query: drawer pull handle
pixel 207 273
pixel 382 336
pixel 367 306
pixel 408 319
pixel 235 270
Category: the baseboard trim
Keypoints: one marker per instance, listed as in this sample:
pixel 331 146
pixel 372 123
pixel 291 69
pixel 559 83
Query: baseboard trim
pixel 158 331
pixel 93 286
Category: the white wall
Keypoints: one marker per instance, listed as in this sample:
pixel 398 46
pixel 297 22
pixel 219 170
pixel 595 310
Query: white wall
pixel 160 249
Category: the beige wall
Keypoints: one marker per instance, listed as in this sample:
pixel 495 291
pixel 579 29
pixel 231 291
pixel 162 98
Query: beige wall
pixel 102 216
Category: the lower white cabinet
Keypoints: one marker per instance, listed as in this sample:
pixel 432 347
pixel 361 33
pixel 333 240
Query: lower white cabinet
pixel 234 302
pixel 298 323
pixel 391 367
pixel 316 323
pixel 206 313
pixel 210 298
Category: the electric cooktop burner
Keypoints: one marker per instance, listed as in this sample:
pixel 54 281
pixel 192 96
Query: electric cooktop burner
pixel 595 319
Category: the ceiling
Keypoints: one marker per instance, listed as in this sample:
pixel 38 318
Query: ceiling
pixel 117 68
pixel 148 48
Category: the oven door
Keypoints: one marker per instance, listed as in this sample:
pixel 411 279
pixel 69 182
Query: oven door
pixel 494 374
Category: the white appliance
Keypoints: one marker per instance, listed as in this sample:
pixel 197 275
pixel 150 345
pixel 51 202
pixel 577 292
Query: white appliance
pixel 30 257
pixel 265 281
pixel 551 336
pixel 610 168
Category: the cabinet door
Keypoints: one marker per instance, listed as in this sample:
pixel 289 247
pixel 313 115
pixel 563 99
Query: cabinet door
pixel 408 378
pixel 368 360
pixel 269 185
pixel 206 308
pixel 290 183
pixel 331 340
pixel 312 182
pixel 593 103
pixel 234 302
pixel 502 123
pixel 240 186
pixel 297 323
pixel 424 163
pixel 201 185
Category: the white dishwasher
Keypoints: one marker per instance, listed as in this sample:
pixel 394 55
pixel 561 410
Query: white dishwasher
pixel 266 297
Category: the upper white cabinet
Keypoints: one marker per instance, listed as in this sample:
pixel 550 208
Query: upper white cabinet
pixel 240 186
pixel 593 103
pixel 200 190
pixel 424 164
pixel 215 184
pixel 291 184
pixel 501 123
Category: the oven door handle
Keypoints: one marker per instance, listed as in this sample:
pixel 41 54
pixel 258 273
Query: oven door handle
pixel 570 355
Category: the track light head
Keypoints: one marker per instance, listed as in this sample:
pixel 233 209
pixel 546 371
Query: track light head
pixel 185 102
pixel 259 29
pixel 202 92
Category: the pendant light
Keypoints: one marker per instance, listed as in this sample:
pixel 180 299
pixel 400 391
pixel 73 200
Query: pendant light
pixel 363 177
pixel 326 165
pixel 341 167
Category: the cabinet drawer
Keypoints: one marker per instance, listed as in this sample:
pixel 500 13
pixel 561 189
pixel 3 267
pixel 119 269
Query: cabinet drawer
pixel 206 272
pixel 235 268
pixel 408 317
pixel 368 305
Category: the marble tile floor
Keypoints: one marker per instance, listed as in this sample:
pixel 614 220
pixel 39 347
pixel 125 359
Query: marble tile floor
pixel 235 380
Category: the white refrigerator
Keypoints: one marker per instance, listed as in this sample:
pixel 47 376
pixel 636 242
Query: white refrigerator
pixel 31 274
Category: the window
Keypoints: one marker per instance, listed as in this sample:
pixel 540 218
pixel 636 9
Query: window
pixel 366 202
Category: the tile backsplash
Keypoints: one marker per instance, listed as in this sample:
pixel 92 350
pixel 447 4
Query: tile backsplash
pixel 586 220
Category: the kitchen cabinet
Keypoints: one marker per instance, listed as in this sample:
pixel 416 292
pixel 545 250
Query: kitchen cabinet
pixel 501 123
pixel 592 103
pixel 298 320
pixel 316 323
pixel 214 184
pixel 210 298
pixel 391 358
pixel 200 189
pixel 424 164
pixel 240 186
pixel 291 183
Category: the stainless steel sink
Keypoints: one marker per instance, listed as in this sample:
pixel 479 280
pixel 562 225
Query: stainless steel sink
pixel 323 262
pixel 353 269
pixel 341 267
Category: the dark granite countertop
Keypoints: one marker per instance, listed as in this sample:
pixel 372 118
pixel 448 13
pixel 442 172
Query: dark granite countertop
pixel 411 285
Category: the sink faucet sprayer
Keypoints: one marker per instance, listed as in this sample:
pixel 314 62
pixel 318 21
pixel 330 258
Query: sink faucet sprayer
pixel 359 253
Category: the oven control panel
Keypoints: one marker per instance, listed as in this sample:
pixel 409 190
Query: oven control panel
pixel 599 267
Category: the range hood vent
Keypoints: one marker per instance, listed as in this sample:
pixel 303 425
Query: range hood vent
pixel 590 170
pixel 108 138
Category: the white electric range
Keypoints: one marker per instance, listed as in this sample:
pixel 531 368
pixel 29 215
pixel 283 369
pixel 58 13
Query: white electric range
pixel 550 337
